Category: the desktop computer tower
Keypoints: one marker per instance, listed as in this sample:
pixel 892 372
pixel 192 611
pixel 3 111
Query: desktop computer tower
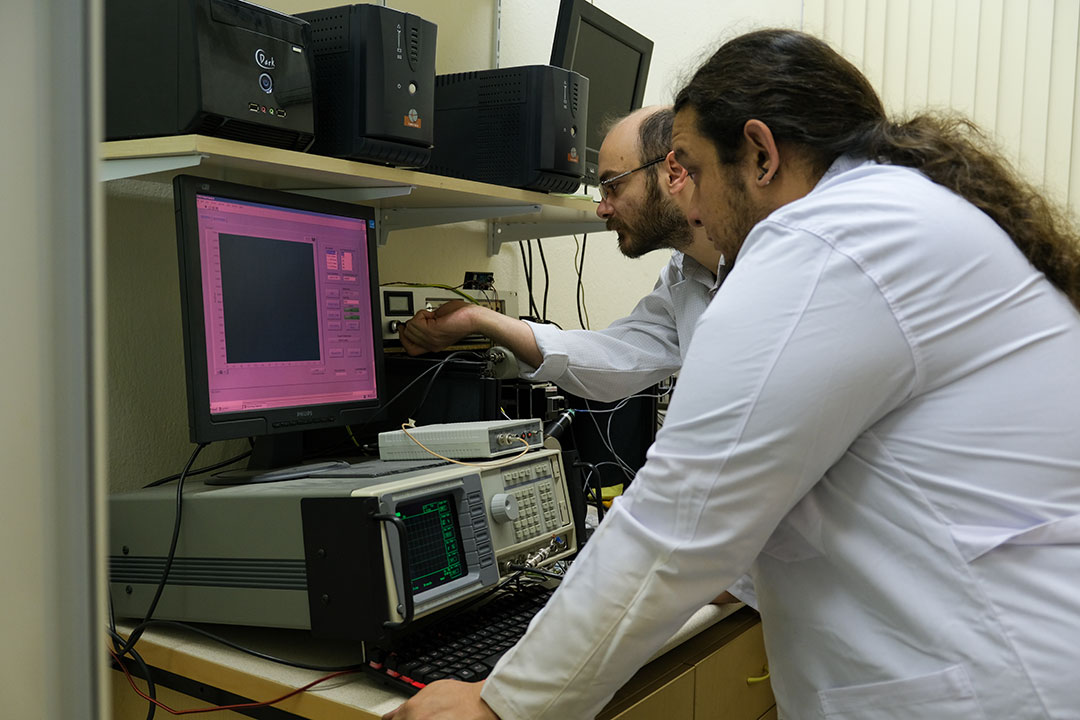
pixel 374 84
pixel 521 127
pixel 224 68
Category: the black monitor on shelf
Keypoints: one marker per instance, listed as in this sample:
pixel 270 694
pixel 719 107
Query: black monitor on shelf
pixel 280 318
pixel 614 57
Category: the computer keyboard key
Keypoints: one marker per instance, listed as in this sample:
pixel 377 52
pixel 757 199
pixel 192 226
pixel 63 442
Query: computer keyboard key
pixel 465 650
pixel 493 658
pixel 423 673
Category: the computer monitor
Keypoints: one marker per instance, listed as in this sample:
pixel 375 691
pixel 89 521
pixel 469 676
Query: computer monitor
pixel 279 299
pixel 613 56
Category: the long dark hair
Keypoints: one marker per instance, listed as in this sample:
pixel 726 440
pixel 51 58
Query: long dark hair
pixel 812 97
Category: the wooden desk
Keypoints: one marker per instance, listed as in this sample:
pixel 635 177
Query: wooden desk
pixel 700 673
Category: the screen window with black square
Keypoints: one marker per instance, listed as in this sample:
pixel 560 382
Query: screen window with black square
pixel 436 555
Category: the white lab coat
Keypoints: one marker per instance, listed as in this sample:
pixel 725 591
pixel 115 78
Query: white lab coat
pixel 636 351
pixel 879 418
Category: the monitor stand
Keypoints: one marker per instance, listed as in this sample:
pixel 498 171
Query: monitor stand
pixel 275 458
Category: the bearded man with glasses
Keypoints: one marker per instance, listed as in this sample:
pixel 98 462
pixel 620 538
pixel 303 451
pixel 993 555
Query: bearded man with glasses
pixel 643 192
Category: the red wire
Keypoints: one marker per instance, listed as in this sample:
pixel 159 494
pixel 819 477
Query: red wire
pixel 241 706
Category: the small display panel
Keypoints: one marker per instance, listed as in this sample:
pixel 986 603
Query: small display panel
pixel 398 303
pixel 287 306
pixel 436 555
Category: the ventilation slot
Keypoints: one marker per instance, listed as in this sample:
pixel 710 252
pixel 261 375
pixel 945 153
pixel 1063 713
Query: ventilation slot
pixel 335 111
pixel 501 91
pixel 414 45
pixel 495 131
pixel 217 126
pixel 391 153
pixel 211 572
pixel 547 182
pixel 329 33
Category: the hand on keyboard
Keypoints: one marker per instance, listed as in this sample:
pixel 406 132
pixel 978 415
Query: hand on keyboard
pixel 464 647
pixel 445 700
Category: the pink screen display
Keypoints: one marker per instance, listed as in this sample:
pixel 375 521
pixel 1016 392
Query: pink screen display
pixel 287 306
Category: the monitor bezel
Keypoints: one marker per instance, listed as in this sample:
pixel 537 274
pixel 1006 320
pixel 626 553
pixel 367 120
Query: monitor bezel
pixel 571 14
pixel 203 426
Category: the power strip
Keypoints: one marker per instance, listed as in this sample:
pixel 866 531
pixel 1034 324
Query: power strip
pixel 463 440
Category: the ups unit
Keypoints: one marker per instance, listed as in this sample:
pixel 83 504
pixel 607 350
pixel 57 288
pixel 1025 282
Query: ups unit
pixel 521 127
pixel 225 68
pixel 374 84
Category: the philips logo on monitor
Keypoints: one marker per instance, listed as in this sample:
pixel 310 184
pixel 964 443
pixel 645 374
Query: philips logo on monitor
pixel 263 60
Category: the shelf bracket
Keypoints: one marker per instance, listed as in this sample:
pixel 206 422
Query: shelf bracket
pixel 391 219
pixel 119 168
pixel 357 194
pixel 500 233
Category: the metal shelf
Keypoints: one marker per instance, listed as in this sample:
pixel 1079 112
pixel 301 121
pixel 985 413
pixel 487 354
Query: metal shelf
pixel 404 198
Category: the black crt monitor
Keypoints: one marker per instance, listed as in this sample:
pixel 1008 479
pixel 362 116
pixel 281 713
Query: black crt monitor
pixel 281 322
pixel 614 57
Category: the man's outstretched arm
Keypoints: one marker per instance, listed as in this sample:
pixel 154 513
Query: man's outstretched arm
pixel 430 331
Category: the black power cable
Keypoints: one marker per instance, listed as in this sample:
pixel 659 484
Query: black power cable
pixel 200 471
pixel 547 278
pixel 535 571
pixel 382 408
pixel 249 651
pixel 427 390
pixel 134 636
pixel 597 491
pixel 580 294
pixel 151 688
pixel 527 265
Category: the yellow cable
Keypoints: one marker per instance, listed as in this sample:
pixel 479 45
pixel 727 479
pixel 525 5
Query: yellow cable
pixel 405 429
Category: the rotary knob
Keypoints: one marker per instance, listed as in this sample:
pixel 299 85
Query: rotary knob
pixel 504 507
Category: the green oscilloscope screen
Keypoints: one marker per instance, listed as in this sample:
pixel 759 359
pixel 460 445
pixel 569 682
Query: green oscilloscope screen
pixel 436 555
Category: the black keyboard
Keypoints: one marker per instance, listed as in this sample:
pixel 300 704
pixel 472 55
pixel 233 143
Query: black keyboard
pixel 462 646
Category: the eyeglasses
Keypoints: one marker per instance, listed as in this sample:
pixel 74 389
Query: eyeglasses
pixel 608 187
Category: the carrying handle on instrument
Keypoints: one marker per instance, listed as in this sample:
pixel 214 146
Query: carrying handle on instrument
pixel 403 549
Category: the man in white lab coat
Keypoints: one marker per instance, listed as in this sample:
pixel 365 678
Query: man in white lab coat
pixel 889 440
